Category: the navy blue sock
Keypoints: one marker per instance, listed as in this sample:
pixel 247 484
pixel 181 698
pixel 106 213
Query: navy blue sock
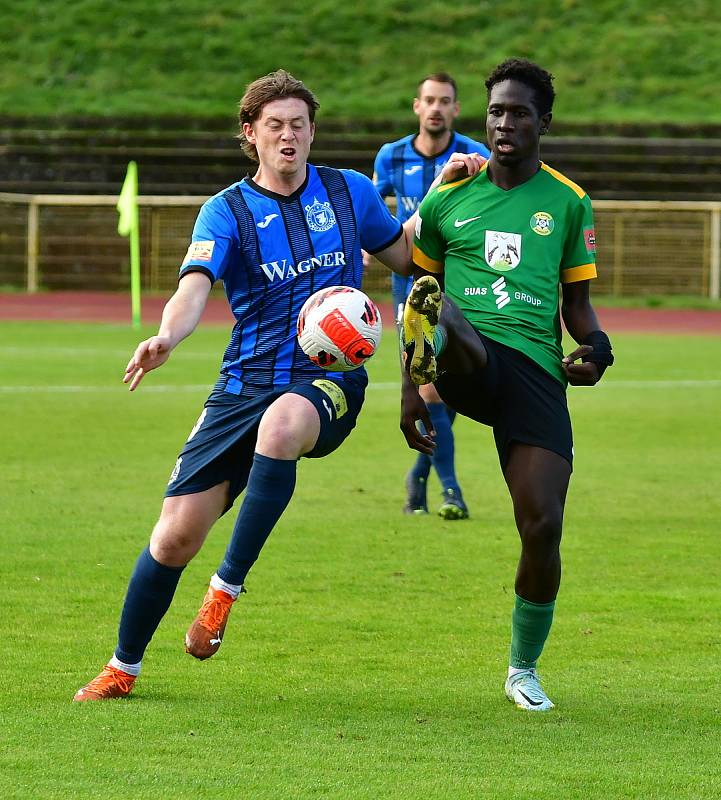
pixel 270 486
pixel 444 454
pixel 422 467
pixel 150 592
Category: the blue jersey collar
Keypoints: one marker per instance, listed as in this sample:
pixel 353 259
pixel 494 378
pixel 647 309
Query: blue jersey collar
pixel 281 198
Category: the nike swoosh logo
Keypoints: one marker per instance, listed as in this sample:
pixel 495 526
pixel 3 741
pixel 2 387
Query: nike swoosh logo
pixel 459 223
pixel 327 408
pixel 268 219
pixel 532 702
pixel 413 170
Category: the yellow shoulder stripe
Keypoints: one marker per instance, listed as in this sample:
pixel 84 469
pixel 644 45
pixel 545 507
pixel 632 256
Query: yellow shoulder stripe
pixel 583 273
pixel 559 176
pixel 444 187
pixel 428 264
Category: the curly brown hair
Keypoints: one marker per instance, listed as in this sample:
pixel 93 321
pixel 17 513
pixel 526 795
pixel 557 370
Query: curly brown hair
pixel 273 86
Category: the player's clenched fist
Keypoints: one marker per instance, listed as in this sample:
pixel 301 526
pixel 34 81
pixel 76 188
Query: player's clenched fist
pixel 150 354
pixel 584 374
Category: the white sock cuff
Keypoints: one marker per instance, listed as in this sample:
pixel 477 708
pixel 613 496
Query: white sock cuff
pixel 232 589
pixel 514 671
pixel 131 669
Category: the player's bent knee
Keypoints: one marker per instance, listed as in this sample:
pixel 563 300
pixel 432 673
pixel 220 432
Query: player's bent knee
pixel 288 429
pixel 183 525
pixel 464 351
pixel 174 547
pixel 542 534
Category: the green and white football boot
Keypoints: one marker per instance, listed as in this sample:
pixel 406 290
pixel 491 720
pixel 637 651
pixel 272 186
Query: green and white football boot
pixel 524 689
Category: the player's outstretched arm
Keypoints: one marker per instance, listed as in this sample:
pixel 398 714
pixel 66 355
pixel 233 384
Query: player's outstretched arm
pixel 180 318
pixel 594 350
pixel 398 256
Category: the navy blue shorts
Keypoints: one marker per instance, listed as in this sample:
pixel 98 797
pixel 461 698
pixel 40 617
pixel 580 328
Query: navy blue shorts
pixel 222 443
pixel 516 397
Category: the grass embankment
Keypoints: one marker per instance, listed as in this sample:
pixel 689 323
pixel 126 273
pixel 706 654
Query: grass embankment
pixel 615 61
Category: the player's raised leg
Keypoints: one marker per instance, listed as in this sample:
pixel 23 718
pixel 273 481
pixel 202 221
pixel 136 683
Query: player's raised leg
pixel 420 327
pixel 288 429
pixel 436 336
pixel 178 535
pixel 457 350
pixel 538 481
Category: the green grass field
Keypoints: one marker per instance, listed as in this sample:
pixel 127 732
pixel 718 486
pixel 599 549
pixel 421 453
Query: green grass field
pixel 367 659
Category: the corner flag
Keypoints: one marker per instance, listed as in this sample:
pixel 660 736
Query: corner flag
pixel 128 225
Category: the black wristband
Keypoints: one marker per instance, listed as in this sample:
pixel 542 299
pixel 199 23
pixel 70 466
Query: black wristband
pixel 601 356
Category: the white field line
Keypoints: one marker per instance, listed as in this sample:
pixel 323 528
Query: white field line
pixel 149 388
pixel 94 351
pixel 144 389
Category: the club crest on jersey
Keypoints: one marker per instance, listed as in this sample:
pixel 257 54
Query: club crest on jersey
pixel 542 223
pixel 503 250
pixel 319 216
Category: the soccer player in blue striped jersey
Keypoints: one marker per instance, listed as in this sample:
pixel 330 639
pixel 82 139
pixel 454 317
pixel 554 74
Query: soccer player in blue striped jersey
pixel 273 239
pixel 406 168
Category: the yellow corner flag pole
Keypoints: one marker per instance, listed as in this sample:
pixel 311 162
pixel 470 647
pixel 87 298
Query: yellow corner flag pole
pixel 129 225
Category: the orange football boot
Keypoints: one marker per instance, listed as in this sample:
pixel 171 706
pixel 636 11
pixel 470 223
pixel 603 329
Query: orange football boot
pixel 205 635
pixel 111 683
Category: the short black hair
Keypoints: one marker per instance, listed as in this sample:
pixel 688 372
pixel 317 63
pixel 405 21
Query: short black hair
pixel 440 77
pixel 525 71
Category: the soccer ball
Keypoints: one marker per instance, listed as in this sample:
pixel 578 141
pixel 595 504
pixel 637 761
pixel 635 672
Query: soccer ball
pixel 339 328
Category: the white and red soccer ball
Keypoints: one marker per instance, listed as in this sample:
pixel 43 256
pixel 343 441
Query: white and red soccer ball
pixel 339 328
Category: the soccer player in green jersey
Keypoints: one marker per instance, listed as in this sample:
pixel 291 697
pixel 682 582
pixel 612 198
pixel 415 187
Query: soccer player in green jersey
pixel 499 242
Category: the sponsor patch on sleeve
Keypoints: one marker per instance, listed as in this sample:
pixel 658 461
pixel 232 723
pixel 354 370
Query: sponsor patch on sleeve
pixel 199 251
pixel 589 234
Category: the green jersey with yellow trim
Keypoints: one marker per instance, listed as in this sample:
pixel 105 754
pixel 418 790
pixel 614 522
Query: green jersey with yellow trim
pixel 504 252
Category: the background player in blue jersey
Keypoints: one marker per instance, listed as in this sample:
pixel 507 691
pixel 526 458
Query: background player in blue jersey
pixel 273 240
pixel 406 168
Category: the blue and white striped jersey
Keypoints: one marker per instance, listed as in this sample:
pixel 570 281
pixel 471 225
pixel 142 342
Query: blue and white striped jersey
pixel 272 252
pixel 401 170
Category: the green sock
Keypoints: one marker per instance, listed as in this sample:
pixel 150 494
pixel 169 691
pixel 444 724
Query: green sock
pixel 531 623
pixel 439 340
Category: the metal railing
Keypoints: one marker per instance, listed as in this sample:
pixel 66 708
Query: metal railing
pixel 71 242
